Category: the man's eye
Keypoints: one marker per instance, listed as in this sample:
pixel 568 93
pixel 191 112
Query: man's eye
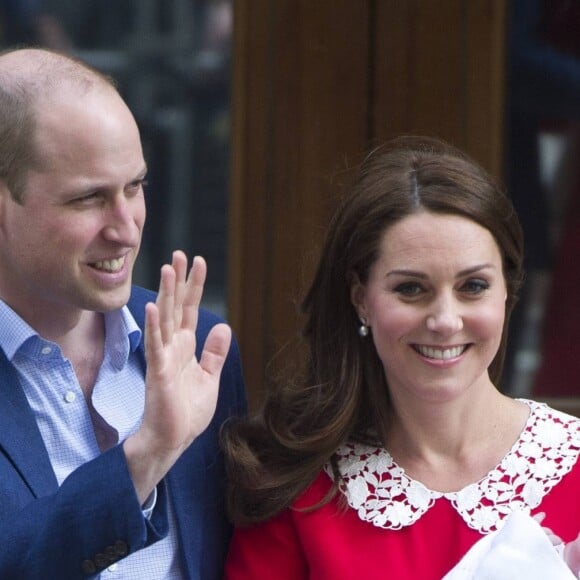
pixel 409 289
pixel 88 198
pixel 137 185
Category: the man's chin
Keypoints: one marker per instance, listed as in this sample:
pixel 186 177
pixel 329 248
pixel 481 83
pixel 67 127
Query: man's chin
pixel 110 300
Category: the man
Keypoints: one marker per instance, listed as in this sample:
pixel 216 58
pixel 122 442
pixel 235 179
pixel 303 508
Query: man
pixel 103 465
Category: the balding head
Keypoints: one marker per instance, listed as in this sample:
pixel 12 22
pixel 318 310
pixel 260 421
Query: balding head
pixel 29 78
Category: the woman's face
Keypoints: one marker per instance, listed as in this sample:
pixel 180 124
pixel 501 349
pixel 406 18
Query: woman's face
pixel 435 303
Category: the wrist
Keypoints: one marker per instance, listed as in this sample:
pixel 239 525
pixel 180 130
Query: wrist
pixel 146 468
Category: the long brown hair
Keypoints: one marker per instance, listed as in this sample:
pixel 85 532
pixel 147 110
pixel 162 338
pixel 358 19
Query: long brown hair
pixel 342 395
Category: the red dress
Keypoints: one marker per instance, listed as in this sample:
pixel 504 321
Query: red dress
pixel 394 527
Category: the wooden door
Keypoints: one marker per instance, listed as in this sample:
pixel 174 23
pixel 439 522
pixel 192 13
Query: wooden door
pixel 316 83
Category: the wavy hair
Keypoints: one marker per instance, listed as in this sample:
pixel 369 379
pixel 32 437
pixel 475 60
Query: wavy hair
pixel 341 394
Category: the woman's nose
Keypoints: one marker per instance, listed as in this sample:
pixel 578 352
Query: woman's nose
pixel 445 317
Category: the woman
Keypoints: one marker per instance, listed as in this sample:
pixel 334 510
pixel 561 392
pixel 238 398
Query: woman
pixel 395 452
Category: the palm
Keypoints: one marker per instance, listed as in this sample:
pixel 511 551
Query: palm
pixel 181 392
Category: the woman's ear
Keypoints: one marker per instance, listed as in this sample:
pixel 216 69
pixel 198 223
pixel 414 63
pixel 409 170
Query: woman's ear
pixel 357 296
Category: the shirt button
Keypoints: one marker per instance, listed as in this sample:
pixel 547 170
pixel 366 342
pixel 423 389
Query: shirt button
pixel 70 397
pixel 112 567
pixel 46 350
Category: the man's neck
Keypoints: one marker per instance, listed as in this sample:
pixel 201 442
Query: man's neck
pixel 84 347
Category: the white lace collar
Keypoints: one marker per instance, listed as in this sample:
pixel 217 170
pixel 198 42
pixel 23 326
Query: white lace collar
pixel 382 494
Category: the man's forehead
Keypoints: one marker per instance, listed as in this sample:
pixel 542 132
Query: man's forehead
pixel 43 72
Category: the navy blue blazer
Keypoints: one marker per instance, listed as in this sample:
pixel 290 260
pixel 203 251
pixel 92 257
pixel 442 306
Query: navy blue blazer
pixel 95 516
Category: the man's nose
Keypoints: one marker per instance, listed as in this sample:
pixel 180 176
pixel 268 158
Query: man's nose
pixel 122 221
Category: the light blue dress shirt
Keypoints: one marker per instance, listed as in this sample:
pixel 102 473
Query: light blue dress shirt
pixel 63 417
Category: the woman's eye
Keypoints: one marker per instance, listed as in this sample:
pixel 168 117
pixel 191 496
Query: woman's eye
pixel 409 289
pixel 475 286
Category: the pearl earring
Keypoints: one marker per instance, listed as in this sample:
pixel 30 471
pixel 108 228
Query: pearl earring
pixel 363 329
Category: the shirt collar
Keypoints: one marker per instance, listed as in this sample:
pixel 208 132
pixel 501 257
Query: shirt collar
pixel 15 331
pixel 122 335
pixel 127 326
pixel 120 326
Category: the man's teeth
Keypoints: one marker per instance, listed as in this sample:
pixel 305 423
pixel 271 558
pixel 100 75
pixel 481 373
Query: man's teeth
pixel 110 265
pixel 440 354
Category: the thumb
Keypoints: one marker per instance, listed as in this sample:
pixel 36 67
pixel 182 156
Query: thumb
pixel 215 349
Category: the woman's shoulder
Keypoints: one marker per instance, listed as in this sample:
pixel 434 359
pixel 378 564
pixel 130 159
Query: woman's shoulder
pixel 316 493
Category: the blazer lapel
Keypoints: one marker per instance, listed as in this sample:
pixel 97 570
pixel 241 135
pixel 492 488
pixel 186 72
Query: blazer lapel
pixel 20 438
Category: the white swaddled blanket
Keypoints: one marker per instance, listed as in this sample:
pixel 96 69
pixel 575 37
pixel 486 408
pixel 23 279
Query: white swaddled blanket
pixel 519 550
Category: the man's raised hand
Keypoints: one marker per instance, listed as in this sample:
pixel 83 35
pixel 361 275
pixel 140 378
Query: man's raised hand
pixel 181 391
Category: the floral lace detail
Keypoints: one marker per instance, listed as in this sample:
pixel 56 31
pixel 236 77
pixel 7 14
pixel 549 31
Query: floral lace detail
pixel 382 494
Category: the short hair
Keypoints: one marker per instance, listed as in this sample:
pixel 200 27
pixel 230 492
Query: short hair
pixel 27 77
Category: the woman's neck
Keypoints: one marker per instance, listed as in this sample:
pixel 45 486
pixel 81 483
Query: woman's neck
pixel 450 445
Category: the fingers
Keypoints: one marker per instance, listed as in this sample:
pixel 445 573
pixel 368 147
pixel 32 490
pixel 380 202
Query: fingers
pixel 153 335
pixel 179 296
pixel 193 292
pixel 166 302
pixel 539 517
pixel 572 555
pixel 179 263
pixel 215 349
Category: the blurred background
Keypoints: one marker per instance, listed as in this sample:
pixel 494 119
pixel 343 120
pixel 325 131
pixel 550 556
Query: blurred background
pixel 250 110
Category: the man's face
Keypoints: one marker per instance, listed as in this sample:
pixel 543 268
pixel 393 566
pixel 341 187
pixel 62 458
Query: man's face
pixel 72 244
